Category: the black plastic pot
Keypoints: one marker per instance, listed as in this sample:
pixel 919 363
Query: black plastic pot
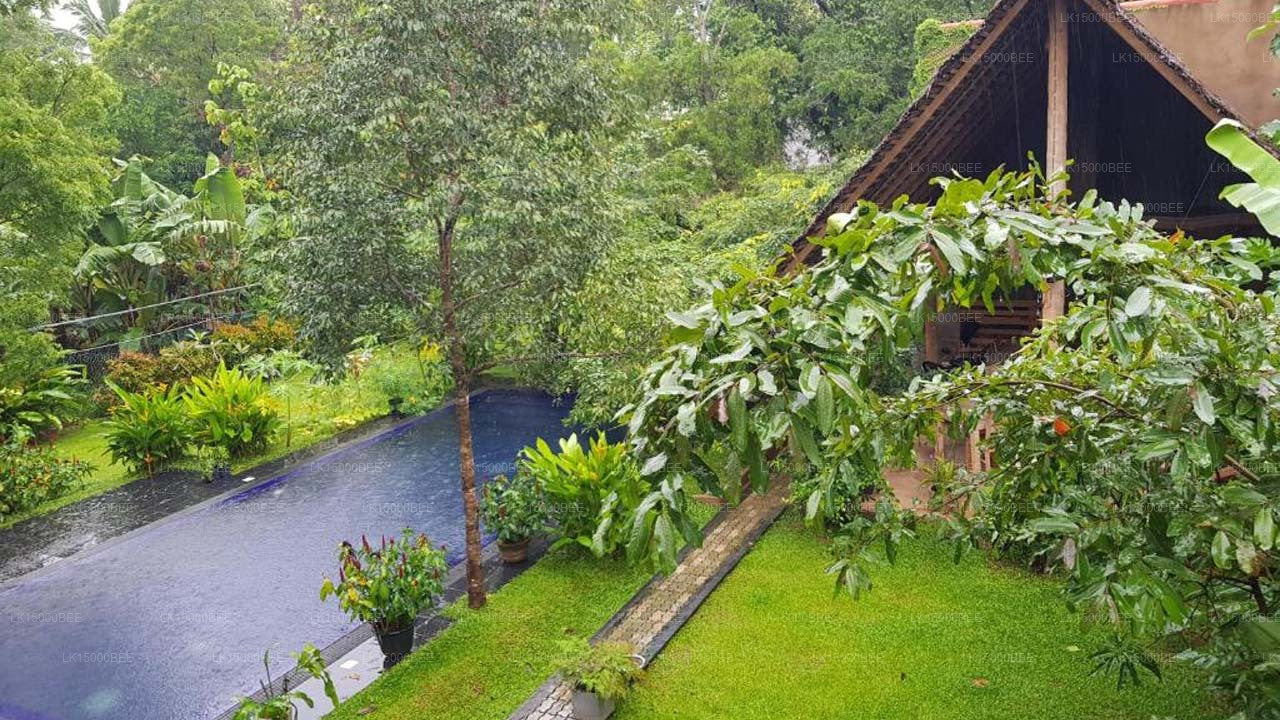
pixel 395 645
pixel 396 404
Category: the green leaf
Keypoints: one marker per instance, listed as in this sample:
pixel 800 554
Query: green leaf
pixel 1221 550
pixel 824 405
pixel 1202 401
pixel 1139 302
pixel 1264 529
pixel 1261 197
pixel 739 420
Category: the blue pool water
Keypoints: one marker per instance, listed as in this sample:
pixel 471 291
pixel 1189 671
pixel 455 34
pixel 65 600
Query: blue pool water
pixel 170 622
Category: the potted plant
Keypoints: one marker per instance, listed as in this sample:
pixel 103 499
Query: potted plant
pixel 388 587
pixel 600 675
pixel 514 510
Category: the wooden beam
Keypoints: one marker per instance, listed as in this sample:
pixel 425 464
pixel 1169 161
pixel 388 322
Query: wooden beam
pixel 1058 43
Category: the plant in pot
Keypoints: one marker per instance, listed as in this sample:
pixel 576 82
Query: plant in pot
pixel 514 509
pixel 600 675
pixel 388 586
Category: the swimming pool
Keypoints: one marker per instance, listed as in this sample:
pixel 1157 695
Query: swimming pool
pixel 171 621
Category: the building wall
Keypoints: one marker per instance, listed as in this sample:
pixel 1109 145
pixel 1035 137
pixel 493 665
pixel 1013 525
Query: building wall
pixel 1209 37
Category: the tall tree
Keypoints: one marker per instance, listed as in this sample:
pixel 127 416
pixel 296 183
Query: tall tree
pixel 164 53
pixel 443 154
pixel 54 150
pixel 93 17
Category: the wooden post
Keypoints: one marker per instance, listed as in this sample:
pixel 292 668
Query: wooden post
pixel 1055 299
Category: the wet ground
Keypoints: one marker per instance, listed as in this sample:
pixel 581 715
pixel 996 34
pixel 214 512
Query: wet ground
pixel 171 620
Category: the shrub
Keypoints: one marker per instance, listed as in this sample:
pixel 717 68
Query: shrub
pixel 184 360
pixel 148 430
pixel 142 372
pixel 232 410
pixel 591 493
pixel 513 508
pixel 607 669
pixel 30 476
pixel 135 372
pixel 262 336
pixel 387 587
pixel 40 404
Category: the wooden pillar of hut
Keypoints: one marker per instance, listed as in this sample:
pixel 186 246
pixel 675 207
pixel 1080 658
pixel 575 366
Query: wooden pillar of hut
pixel 1055 297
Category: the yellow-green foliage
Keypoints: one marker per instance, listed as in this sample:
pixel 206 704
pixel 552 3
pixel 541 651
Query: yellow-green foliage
pixel 935 43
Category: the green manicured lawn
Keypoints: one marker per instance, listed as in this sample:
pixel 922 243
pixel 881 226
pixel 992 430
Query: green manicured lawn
pixel 487 663
pixel 933 640
pixel 490 660
pixel 313 413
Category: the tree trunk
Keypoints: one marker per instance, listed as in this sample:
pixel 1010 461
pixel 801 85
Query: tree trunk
pixel 471 510
pixel 462 414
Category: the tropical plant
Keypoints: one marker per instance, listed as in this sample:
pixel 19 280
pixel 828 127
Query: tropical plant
pixel 148 430
pixel 30 476
pixel 232 410
pixel 1134 434
pixel 93 17
pixel 208 461
pixel 389 586
pixel 1262 196
pixel 42 403
pixel 284 704
pixel 591 492
pixel 607 669
pixel 513 508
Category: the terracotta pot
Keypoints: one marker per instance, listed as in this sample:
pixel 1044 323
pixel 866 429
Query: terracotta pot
pixel 590 706
pixel 395 645
pixel 513 553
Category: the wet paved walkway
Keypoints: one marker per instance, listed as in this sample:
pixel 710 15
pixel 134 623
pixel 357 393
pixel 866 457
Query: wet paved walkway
pixel 663 606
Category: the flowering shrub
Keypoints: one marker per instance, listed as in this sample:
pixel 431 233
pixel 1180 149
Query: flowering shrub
pixel 388 586
pixel 30 476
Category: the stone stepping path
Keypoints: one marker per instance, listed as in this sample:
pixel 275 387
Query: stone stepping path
pixel 663 605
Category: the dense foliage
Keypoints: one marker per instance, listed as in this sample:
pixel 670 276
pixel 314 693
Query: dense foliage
pixel 164 53
pixel 30 476
pixel 1134 434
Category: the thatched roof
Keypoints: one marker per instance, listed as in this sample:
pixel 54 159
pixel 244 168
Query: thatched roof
pixel 987 102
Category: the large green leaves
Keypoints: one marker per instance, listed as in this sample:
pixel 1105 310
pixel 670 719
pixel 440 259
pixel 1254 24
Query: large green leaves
pixel 1262 196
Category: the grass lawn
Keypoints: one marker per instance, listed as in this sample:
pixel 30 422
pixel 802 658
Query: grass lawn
pixel 490 660
pixel 933 640
pixel 313 413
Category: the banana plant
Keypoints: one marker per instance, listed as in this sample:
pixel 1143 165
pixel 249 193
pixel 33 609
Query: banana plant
pixel 1262 196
